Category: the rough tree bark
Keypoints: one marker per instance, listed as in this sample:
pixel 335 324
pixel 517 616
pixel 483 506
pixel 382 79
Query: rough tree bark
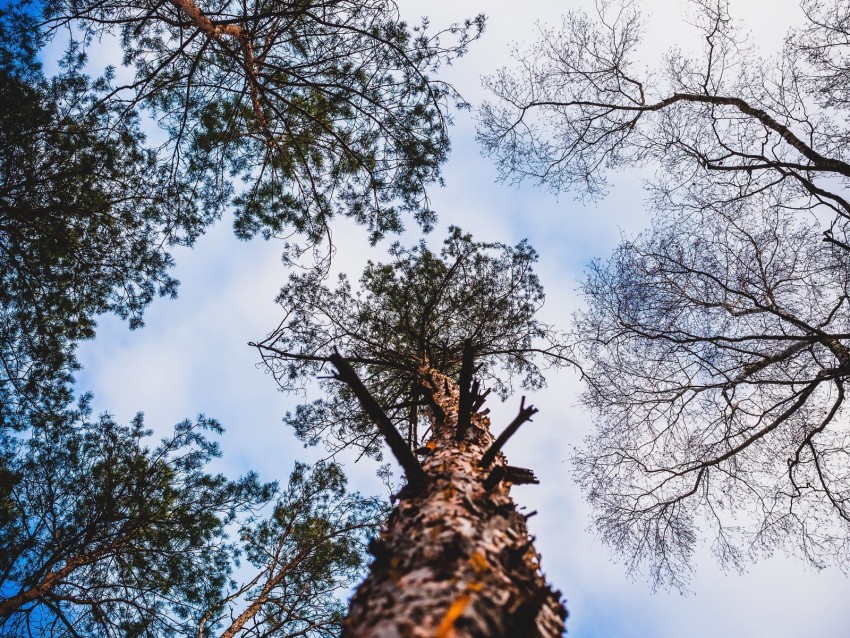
pixel 456 559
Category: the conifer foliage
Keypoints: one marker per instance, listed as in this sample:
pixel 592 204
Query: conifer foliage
pixel 418 309
pixel 87 216
pixel 105 536
pixel 317 107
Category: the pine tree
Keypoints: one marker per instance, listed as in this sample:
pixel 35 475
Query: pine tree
pixel 423 335
pixel 102 535
pixel 87 219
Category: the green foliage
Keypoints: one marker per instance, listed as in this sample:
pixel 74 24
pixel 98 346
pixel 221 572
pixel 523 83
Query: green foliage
pixel 296 114
pixel 331 111
pixel 417 310
pixel 315 107
pixel 104 536
pixel 306 555
pixel 309 110
pixel 86 216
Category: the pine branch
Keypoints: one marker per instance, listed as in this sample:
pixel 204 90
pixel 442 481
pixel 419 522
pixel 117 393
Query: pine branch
pixel 465 400
pixel 405 457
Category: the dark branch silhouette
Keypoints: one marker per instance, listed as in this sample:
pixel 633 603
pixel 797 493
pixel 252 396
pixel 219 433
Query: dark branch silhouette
pixel 715 344
pixel 525 414
pixel 400 449
pixel 466 396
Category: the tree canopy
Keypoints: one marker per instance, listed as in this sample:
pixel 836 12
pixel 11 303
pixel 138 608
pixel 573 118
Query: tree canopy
pixel 86 219
pixel 716 358
pixel 420 309
pixel 305 556
pixel 291 112
pixel 285 115
pixel 720 125
pixel 105 536
pixel 714 343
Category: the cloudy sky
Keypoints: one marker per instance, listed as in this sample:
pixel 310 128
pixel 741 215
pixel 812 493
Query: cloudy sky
pixel 192 357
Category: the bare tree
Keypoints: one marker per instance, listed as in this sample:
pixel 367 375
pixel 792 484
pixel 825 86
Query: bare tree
pixel 720 126
pixel 715 350
pixel 715 344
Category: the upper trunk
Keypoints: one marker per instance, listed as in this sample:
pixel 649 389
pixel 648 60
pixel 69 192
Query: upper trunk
pixel 456 559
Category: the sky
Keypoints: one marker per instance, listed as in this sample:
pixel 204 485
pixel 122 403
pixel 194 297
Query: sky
pixel 192 356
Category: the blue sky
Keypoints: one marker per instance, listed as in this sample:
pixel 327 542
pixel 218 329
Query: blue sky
pixel 192 357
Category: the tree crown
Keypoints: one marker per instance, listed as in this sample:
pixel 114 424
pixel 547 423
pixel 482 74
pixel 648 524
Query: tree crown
pixel 419 310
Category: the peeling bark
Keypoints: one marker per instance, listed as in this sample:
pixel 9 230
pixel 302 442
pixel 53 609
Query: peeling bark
pixel 456 559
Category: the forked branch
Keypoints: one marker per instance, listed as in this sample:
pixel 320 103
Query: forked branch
pixel 218 31
pixel 478 398
pixel 525 414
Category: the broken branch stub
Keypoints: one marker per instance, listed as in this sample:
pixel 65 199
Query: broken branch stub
pixel 525 414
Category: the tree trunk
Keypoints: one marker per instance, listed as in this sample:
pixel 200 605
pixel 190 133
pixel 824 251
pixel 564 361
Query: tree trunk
pixel 456 559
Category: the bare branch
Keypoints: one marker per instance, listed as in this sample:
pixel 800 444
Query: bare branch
pixel 464 407
pixel 410 464
pixel 525 414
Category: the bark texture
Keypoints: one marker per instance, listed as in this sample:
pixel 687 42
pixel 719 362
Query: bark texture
pixel 456 559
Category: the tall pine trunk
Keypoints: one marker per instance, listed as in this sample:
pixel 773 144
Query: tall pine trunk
pixel 456 559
